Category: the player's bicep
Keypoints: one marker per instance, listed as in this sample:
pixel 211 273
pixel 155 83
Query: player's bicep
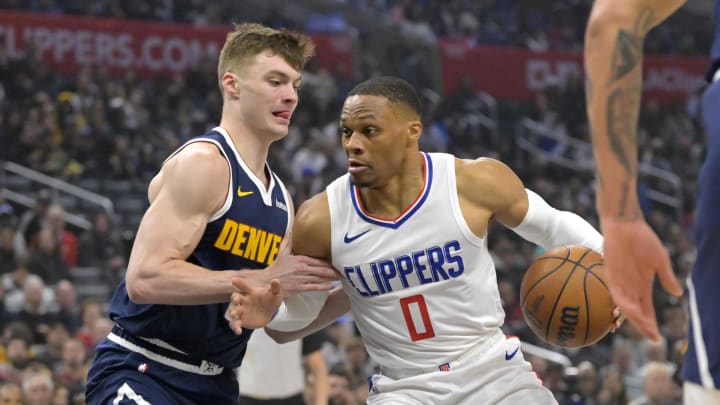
pixel 173 224
pixel 311 228
pixel 492 185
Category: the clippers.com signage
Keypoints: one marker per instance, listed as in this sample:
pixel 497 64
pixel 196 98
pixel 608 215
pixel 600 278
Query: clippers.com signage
pixel 70 42
pixel 514 73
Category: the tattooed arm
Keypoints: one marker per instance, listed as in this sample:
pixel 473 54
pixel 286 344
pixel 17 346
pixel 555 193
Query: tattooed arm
pixel 613 63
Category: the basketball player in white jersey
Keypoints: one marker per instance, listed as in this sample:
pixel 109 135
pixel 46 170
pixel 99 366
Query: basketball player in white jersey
pixel 407 230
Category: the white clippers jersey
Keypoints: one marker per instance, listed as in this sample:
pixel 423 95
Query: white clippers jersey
pixel 422 286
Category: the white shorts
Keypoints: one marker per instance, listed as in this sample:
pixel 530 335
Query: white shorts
pixel 493 372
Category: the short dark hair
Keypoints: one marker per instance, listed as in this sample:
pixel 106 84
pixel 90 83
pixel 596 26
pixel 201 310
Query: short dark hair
pixel 392 88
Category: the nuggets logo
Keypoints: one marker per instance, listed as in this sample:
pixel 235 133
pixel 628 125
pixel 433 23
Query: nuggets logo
pixel 249 242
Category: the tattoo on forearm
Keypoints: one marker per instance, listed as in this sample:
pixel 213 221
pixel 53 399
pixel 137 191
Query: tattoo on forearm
pixel 628 213
pixel 622 116
pixel 629 46
pixel 627 53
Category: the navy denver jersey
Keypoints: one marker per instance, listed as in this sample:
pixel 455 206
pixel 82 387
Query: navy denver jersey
pixel 245 233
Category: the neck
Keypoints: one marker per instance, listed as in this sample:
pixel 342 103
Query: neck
pixel 253 148
pixel 396 195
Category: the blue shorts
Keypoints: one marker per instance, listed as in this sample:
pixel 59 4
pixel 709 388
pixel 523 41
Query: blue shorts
pixel 119 374
pixel 702 359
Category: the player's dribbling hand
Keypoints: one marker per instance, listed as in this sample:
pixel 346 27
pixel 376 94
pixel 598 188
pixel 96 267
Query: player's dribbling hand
pixel 300 273
pixel 253 304
pixel 633 255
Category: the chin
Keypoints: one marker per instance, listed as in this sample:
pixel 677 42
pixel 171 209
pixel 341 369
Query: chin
pixel 360 182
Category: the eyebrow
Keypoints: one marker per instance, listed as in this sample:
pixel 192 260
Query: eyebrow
pixel 367 116
pixel 283 74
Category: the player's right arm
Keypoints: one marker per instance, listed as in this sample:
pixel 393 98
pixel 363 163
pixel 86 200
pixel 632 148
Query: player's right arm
pixel 613 62
pixel 189 189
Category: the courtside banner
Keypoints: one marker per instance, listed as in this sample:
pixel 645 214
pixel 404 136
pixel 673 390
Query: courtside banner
pixel 68 42
pixel 517 73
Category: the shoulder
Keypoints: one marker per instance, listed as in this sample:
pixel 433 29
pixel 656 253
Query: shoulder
pixel 487 181
pixel 313 214
pixel 482 172
pixel 198 173
pixel 311 229
pixel 200 156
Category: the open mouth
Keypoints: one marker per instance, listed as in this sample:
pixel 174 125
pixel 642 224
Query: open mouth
pixel 356 167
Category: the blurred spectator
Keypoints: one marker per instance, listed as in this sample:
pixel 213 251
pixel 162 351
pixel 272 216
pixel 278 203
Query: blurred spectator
pixel 70 372
pixel 46 259
pixel 338 334
pixel 61 396
pixel 52 351
pixel 588 384
pixel 658 386
pixel 99 331
pixel 357 365
pixel 674 323
pixel 68 310
pixel 18 355
pixel 612 391
pixel 90 313
pixel 65 238
pixel 10 394
pixel 7 248
pixel 31 220
pixel 38 388
pixel 35 311
pixel 13 286
pixel 340 392
pixel 102 246
pixel 514 320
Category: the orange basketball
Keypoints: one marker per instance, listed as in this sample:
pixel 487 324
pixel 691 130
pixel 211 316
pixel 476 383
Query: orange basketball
pixel 565 299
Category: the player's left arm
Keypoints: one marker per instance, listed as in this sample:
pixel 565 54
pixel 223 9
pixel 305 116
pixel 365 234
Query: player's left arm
pixel 614 40
pixel 493 185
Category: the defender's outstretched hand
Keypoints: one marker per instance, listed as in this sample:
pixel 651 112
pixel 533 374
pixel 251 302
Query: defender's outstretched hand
pixel 253 304
pixel 633 255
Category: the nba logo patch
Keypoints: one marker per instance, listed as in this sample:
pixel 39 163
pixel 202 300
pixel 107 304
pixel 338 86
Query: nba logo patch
pixel 444 367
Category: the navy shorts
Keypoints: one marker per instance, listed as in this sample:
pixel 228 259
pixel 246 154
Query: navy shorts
pixel 119 374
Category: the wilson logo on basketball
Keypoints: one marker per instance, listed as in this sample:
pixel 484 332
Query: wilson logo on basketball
pixel 568 323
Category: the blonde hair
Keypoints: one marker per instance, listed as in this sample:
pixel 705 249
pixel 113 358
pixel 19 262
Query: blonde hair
pixel 249 39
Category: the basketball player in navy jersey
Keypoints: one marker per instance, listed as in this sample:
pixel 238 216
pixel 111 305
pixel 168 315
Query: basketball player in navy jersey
pixel 408 232
pixel 633 253
pixel 216 212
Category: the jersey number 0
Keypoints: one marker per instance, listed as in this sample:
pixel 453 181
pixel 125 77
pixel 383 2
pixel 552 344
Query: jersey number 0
pixel 412 307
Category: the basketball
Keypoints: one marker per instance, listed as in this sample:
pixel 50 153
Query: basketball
pixel 565 299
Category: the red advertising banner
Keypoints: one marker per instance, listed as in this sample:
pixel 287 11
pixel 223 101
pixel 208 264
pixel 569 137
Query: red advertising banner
pixel 515 73
pixel 69 42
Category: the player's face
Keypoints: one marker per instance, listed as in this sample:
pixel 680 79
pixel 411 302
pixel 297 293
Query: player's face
pixel 268 94
pixel 374 138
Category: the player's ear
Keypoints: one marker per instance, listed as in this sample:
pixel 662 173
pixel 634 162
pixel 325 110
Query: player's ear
pixel 414 130
pixel 230 85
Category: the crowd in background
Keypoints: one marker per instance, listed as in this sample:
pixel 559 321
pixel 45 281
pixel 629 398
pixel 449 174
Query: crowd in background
pixel 93 125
